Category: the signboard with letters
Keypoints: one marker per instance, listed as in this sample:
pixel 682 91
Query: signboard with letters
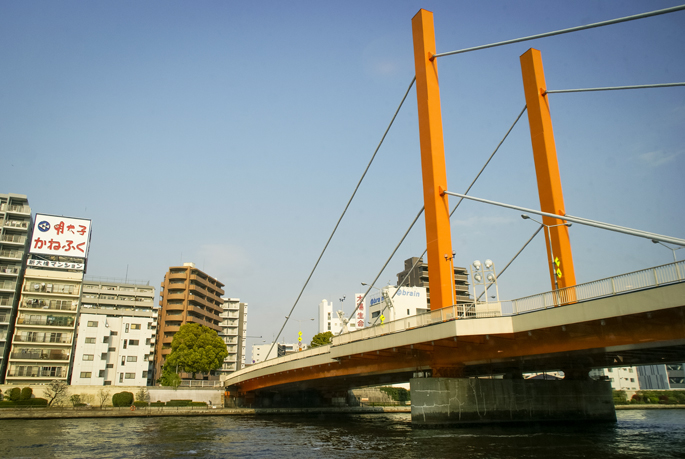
pixel 60 236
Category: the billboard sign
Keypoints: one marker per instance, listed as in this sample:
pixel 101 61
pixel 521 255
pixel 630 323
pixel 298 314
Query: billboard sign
pixel 60 236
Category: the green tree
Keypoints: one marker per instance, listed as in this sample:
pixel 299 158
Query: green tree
pixel 196 349
pixel 169 377
pixel 321 339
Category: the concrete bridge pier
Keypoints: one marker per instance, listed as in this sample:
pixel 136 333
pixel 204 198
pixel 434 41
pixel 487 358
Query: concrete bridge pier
pixel 451 401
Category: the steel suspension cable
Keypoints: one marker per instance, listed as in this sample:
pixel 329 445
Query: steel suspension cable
pixel 615 88
pixel 342 215
pixel 414 222
pixel 569 30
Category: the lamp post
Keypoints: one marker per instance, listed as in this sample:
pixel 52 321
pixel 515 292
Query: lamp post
pixel 549 238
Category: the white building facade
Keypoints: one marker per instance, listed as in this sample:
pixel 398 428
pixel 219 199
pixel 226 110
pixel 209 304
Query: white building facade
pixel 407 302
pixel 116 334
pixel 234 334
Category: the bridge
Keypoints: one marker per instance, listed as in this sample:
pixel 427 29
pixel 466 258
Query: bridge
pixel 465 361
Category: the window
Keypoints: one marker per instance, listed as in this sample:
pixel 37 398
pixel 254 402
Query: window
pixel 132 358
pixel 133 342
pixel 121 377
pixel 108 383
pixel 126 329
pixel 90 340
pixel 110 365
pixel 146 357
pixel 375 314
pixel 105 339
pixel 135 326
pixel 632 379
pixel 407 311
pixel 329 326
pixel 125 341
pixel 123 360
pixel 130 376
pixel 147 341
pixel 87 356
pixel 101 374
pixel 145 374
pixel 92 323
pixel 103 356
pixel 113 333
pixel 149 325
pixel 86 374
pixel 329 316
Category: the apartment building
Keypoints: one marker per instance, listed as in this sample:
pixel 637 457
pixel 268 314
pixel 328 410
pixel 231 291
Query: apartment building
pixel 234 333
pixel 187 295
pixel 116 334
pixel 418 277
pixel 15 224
pixel 45 327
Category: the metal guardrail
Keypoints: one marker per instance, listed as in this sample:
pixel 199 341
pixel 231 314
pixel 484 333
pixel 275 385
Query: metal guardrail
pixel 637 280
pixel 200 383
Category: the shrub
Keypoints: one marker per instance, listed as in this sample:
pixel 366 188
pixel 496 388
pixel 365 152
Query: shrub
pixel 26 393
pixel 157 404
pixel 179 403
pixel 198 404
pixel 15 394
pixel 122 399
pixel 140 404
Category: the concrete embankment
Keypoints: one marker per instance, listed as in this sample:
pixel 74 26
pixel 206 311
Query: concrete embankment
pixel 650 407
pixel 57 413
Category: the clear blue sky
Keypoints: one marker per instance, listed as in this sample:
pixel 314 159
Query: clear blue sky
pixel 231 134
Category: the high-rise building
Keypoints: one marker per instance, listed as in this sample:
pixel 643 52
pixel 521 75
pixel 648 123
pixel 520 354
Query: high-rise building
pixel 45 327
pixel 670 376
pixel 418 277
pixel 234 333
pixel 188 295
pixel 329 320
pixel 117 328
pixel 15 224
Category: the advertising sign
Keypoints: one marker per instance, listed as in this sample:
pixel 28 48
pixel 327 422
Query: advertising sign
pixel 60 236
pixel 360 314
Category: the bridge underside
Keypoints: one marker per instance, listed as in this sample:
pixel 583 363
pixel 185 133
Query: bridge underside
pixel 644 327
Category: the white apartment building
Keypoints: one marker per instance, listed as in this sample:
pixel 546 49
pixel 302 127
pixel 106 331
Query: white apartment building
pixel 116 334
pixel 260 351
pixel 45 327
pixel 234 333
pixel 622 378
pixel 329 320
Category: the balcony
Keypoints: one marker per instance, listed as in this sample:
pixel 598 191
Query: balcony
pixel 37 372
pixel 56 305
pixel 39 354
pixel 9 269
pixel 180 275
pixel 171 328
pixel 49 321
pixel 17 209
pixel 41 338
pixel 4 318
pixel 175 296
pixel 13 239
pixel 8 285
pixel 16 224
pixel 13 254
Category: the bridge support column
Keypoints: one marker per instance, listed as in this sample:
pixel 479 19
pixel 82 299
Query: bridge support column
pixel 446 401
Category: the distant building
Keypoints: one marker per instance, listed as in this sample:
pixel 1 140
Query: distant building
pixel 329 320
pixel 669 376
pixel 418 277
pixel 234 333
pixel 407 302
pixel 116 334
pixel 260 351
pixel 622 378
pixel 15 225
pixel 188 295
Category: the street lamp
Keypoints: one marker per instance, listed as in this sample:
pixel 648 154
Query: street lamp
pixel 675 260
pixel 549 238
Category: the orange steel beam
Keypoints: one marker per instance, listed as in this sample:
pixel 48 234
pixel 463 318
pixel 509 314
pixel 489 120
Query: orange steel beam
pixel 438 233
pixel 547 168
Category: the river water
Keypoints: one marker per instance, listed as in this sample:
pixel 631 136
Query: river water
pixel 638 434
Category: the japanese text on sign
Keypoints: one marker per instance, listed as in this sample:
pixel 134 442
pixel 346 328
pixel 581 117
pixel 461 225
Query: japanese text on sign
pixel 60 236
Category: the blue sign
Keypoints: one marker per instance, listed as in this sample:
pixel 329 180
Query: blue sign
pixel 43 226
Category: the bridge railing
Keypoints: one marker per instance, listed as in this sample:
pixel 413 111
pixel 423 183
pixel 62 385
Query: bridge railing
pixel 637 280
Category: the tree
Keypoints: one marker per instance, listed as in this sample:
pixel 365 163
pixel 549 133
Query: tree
pixel 56 392
pixel 103 396
pixel 169 377
pixel 143 395
pixel 196 349
pixel 321 339
pixel 26 393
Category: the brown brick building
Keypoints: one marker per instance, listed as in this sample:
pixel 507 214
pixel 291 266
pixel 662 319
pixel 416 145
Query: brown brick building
pixel 188 295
